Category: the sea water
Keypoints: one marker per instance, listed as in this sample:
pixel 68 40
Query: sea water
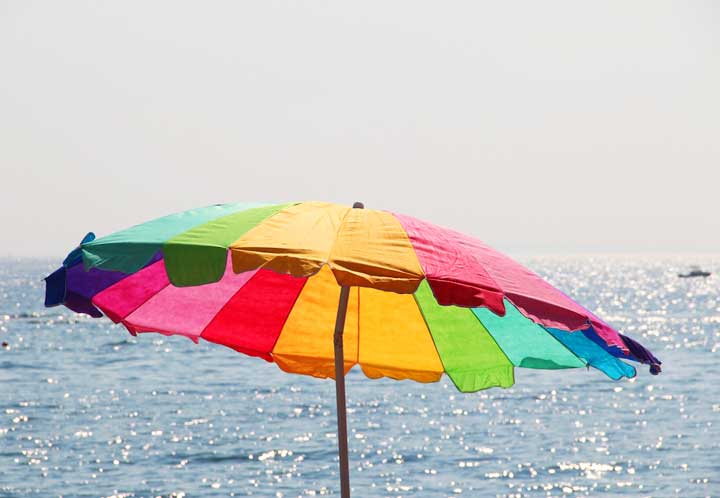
pixel 86 410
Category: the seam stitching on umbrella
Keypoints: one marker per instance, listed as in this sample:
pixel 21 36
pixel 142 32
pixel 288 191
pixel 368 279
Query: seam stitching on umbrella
pixel 614 364
pixel 427 325
pixel 226 305
pixel 287 206
pixel 589 315
pixel 99 241
pixel 412 246
pixel 492 338
pixel 226 247
pixel 297 296
pixel 90 298
pixel 337 235
pixel 585 362
pixel 499 288
pixel 122 320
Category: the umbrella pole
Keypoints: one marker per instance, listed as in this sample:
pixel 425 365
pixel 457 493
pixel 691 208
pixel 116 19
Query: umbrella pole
pixel 340 392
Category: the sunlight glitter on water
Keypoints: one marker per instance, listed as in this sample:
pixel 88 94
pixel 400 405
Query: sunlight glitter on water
pixel 87 410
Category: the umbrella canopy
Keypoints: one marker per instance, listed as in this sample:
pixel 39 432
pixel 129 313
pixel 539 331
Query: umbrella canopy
pixel 318 288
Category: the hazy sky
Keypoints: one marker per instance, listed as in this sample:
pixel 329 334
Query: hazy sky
pixel 536 126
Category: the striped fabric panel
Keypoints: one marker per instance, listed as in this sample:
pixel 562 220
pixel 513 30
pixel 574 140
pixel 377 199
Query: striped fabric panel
pixel 198 255
pixel 305 345
pixel 526 343
pixel 251 321
pixel 186 310
pixel 121 299
pixel 129 250
pixel 394 340
pixel 295 241
pixel 373 250
pixel 470 356
pixel 456 276
pixel 595 355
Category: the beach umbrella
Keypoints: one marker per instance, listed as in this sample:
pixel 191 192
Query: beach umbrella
pixel 318 288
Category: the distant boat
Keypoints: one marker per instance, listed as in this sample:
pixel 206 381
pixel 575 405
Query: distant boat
pixel 695 271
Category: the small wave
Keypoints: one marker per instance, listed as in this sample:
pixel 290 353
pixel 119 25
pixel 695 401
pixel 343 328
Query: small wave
pixel 13 365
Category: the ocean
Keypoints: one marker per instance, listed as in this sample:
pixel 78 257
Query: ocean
pixel 86 410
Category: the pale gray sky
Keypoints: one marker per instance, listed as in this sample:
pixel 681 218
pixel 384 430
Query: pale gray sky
pixel 536 126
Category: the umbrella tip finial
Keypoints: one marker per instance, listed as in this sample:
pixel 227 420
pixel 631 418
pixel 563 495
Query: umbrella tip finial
pixel 358 205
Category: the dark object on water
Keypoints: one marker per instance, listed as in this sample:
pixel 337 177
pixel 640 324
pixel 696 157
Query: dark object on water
pixel 695 271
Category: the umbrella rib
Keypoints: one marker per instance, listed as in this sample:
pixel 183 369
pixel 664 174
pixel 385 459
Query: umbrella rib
pixel 427 326
pixel 220 310
pixel 510 363
pixel 491 337
pixel 124 319
pixel 282 328
pixel 564 346
pixel 337 235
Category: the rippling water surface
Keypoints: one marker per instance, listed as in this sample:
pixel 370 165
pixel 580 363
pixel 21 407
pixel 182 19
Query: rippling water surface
pixel 88 410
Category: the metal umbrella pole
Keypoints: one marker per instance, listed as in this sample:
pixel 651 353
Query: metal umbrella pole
pixel 340 386
pixel 340 393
